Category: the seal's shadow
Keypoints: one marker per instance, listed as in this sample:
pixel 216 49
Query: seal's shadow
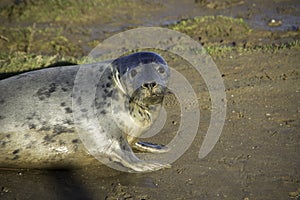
pixel 67 186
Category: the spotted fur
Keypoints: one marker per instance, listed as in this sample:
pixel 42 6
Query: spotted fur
pixel 36 115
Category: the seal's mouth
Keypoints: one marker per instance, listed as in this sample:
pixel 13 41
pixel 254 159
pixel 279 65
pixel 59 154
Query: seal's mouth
pixel 147 96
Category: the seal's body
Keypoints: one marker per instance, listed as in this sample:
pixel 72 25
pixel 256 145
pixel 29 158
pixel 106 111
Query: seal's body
pixel 40 112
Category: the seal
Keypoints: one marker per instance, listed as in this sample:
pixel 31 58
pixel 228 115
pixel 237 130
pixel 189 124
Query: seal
pixel 41 113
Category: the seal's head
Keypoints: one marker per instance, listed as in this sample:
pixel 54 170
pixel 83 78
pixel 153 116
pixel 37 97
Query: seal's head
pixel 143 76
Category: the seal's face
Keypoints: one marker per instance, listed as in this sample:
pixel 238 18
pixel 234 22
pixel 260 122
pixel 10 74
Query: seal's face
pixel 143 77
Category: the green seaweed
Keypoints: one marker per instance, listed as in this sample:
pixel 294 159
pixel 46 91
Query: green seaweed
pixel 22 61
pixel 67 11
pixel 212 28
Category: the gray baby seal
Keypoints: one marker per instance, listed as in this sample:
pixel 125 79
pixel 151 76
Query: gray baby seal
pixel 38 123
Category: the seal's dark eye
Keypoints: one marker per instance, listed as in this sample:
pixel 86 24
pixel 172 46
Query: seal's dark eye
pixel 133 73
pixel 161 70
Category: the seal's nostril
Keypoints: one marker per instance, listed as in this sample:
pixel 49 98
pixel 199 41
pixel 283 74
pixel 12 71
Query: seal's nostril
pixel 153 84
pixel 150 85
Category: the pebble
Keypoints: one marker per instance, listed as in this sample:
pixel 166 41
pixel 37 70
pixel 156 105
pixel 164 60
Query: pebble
pixel 4 189
pixel 274 23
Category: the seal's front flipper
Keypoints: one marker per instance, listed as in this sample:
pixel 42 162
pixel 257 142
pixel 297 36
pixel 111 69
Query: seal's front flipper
pixel 121 155
pixel 150 147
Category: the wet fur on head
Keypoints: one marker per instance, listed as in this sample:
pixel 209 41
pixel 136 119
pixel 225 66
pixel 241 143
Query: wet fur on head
pixel 142 76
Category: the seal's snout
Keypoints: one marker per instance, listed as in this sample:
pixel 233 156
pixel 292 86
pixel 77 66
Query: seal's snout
pixel 152 89
pixel 149 85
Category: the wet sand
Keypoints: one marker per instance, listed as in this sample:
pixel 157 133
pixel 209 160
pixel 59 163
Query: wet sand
pixel 257 155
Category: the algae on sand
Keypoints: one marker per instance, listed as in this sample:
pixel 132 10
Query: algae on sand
pixel 213 29
pixel 67 11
